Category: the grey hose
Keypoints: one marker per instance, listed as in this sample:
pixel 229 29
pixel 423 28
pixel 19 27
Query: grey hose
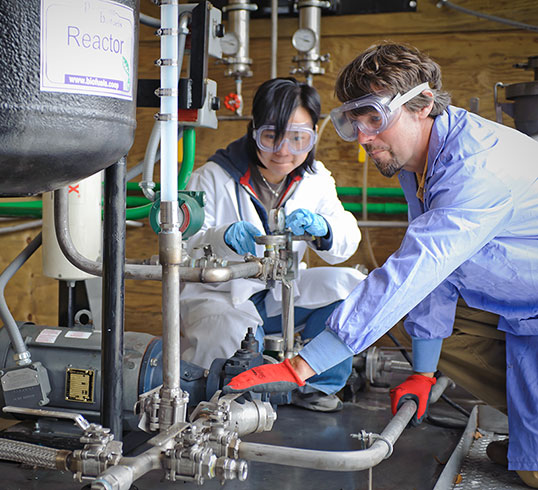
pixel 9 322
pixel 149 21
pixel 32 454
pixel 493 18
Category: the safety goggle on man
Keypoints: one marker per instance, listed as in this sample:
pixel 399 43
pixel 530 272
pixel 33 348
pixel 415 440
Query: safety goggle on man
pixel 370 114
pixel 300 139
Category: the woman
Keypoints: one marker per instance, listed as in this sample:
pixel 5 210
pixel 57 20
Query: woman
pixel 271 167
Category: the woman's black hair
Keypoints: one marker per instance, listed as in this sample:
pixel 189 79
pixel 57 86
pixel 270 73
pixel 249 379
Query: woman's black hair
pixel 274 102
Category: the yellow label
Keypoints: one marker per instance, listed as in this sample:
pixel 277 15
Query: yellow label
pixel 79 385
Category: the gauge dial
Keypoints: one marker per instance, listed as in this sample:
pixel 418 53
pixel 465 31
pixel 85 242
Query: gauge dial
pixel 304 40
pixel 229 43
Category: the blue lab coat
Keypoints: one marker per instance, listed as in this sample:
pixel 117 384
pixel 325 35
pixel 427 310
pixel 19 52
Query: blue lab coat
pixel 476 236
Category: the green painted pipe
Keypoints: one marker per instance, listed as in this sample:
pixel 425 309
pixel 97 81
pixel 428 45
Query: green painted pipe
pixel 31 209
pixel 371 192
pixel 189 143
pixel 386 208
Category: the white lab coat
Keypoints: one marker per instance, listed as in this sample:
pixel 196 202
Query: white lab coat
pixel 215 317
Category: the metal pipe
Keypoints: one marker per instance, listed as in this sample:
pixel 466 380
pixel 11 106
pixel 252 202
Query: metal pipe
pixel 122 475
pixel 288 318
pixel 137 271
pixel 382 224
pixel 21 227
pixel 341 460
pixel 22 355
pixel 274 37
pixel 113 298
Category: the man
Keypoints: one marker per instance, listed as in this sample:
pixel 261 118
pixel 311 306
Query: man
pixel 472 190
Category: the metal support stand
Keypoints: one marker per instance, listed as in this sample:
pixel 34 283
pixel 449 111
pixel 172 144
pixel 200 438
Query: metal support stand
pixel 113 298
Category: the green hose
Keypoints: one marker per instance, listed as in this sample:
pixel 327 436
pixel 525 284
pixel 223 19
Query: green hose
pixel 386 208
pixel 30 209
pixel 189 143
pixel 371 192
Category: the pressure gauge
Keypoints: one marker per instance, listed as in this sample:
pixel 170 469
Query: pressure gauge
pixel 229 43
pixel 304 39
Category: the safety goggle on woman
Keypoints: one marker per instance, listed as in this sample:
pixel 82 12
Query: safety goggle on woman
pixel 370 114
pixel 300 139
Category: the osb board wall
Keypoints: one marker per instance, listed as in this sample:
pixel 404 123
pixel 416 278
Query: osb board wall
pixel 474 54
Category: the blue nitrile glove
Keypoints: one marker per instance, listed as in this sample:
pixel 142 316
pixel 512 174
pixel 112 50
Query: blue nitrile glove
pixel 303 221
pixel 240 237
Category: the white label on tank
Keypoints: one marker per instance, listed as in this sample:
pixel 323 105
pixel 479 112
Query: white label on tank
pixel 48 336
pixel 87 47
pixel 76 334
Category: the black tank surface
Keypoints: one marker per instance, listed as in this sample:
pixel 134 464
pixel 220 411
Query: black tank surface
pixel 68 76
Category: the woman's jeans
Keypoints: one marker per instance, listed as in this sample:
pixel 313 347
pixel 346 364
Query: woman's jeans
pixel 329 381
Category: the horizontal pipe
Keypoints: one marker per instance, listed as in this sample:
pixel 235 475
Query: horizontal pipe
pixel 371 191
pixel 382 224
pixel 375 207
pixel 122 475
pixel 137 271
pixel 341 460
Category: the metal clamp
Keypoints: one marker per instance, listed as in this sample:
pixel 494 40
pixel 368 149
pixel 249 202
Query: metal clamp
pixel 166 92
pixel 167 31
pixel 166 62
pixel 166 2
pixel 368 438
pixel 161 117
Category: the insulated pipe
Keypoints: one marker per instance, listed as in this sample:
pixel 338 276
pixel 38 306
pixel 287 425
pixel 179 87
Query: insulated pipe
pixel 22 355
pixel 113 298
pixel 341 460
pixel 169 100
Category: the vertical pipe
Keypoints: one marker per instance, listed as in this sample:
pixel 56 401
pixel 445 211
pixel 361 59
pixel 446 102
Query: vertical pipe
pixel 169 101
pixel 274 36
pixel 288 318
pixel 113 298
pixel 171 400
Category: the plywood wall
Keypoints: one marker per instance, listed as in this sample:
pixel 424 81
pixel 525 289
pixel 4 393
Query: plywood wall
pixel 474 54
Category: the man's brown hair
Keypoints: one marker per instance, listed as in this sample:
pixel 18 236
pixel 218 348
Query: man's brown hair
pixel 390 68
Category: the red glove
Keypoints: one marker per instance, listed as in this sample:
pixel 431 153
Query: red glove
pixel 266 378
pixel 417 388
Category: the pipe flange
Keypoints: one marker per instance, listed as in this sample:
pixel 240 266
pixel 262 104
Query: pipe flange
pixel 313 3
pixel 252 7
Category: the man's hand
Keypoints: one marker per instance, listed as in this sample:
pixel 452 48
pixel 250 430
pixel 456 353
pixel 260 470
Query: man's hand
pixel 417 388
pixel 266 378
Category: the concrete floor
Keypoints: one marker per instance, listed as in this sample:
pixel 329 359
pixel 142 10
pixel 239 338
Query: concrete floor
pixel 416 463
